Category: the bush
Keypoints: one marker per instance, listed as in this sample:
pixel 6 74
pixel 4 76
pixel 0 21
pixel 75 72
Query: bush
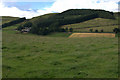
pixel 91 30
pixel 28 24
pixel 66 29
pixel 102 30
pixel 20 27
pixel 71 29
pixel 96 30
pixel 116 30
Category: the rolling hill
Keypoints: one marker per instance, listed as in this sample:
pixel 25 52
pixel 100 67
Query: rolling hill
pixel 48 23
pixel 98 23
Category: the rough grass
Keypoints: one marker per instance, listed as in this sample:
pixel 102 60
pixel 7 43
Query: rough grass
pixel 99 23
pixel 6 19
pixel 60 34
pixel 108 29
pixel 32 56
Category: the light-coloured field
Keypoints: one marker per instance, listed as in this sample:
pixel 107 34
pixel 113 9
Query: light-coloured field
pixel 92 35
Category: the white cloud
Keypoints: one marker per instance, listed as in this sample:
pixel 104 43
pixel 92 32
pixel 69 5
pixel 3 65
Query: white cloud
pixel 15 12
pixel 59 6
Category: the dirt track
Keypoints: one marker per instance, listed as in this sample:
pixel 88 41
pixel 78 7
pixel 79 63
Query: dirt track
pixel 92 35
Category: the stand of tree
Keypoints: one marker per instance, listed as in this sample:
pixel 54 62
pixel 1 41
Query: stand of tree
pixel 116 30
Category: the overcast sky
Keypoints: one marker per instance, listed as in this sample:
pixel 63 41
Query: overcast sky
pixel 32 8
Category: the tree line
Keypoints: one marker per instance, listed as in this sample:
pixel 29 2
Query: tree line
pixel 115 30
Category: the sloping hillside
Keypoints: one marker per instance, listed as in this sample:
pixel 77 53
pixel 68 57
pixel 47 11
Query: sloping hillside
pixel 43 17
pixel 98 23
pixel 107 25
pixel 9 21
pixel 6 19
pixel 48 23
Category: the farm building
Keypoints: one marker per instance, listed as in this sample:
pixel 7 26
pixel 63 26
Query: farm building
pixel 26 29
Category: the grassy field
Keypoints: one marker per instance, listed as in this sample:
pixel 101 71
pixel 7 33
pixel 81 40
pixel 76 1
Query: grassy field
pixel 99 23
pixel 6 19
pixel 104 28
pixel 57 56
